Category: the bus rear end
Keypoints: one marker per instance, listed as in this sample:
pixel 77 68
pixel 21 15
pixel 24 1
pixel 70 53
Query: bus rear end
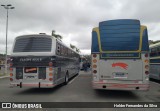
pixel 32 62
pixel 120 56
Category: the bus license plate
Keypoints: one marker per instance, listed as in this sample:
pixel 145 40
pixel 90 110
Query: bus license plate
pixel 120 75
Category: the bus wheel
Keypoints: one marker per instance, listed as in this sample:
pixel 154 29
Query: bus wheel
pixel 66 79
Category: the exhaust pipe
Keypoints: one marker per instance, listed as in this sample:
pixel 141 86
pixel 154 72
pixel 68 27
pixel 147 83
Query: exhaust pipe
pixel 104 86
pixel 137 88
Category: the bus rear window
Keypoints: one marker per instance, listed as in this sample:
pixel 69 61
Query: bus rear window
pixel 33 44
pixel 120 35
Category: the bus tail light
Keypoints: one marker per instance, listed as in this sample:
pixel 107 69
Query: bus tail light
pixel 146 72
pixel 50 69
pixel 50 64
pixel 94 66
pixel 50 74
pixel 94 55
pixel 11 74
pixel 94 71
pixel 146 61
pixel 146 55
pixel 50 79
pixel 11 79
pixel 11 69
pixel 94 60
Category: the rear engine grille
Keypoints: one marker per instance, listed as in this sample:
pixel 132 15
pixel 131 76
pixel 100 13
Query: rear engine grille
pixel 19 73
pixel 42 73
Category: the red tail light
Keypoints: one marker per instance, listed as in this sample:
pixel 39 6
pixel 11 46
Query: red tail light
pixel 94 55
pixel 95 71
pixel 146 72
pixel 11 69
pixel 11 74
pixel 50 74
pixel 50 79
pixel 146 55
pixel 11 79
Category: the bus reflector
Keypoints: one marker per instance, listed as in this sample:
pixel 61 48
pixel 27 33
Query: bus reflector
pixel 94 55
pixel 94 71
pixel 11 79
pixel 94 66
pixel 11 74
pixel 146 55
pixel 146 72
pixel 50 68
pixel 94 60
pixel 50 64
pixel 50 79
pixel 50 74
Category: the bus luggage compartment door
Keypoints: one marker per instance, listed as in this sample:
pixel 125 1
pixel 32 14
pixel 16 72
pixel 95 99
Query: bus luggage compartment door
pixel 131 69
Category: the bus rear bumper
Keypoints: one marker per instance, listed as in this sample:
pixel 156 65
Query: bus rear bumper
pixel 117 86
pixel 34 85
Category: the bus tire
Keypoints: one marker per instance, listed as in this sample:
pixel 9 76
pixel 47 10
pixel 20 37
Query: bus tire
pixel 66 79
pixel 20 85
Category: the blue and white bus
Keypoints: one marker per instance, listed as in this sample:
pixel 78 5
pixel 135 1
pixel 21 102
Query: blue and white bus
pixel 155 61
pixel 41 61
pixel 120 55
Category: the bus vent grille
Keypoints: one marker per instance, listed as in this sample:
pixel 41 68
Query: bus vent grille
pixel 42 73
pixel 19 73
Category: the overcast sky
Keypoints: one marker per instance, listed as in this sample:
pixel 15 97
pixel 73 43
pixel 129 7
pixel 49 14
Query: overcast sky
pixel 74 19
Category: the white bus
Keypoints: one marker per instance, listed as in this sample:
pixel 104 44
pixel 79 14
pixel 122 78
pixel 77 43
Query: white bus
pixel 41 61
pixel 120 55
pixel 82 61
pixel 155 61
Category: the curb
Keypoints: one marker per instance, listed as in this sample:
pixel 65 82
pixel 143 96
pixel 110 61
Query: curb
pixel 3 77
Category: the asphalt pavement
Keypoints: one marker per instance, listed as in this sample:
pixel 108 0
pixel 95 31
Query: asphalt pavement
pixel 79 89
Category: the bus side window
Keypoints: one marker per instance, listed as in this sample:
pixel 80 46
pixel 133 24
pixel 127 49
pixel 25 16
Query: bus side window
pixel 69 53
pixel 153 52
pixel 158 51
pixel 58 49
pixel 61 50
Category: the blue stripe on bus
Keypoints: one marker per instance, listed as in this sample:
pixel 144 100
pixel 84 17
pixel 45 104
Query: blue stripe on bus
pixel 94 47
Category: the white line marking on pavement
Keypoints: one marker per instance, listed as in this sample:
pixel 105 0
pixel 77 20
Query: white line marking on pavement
pixel 154 82
pixel 73 79
pixel 3 77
